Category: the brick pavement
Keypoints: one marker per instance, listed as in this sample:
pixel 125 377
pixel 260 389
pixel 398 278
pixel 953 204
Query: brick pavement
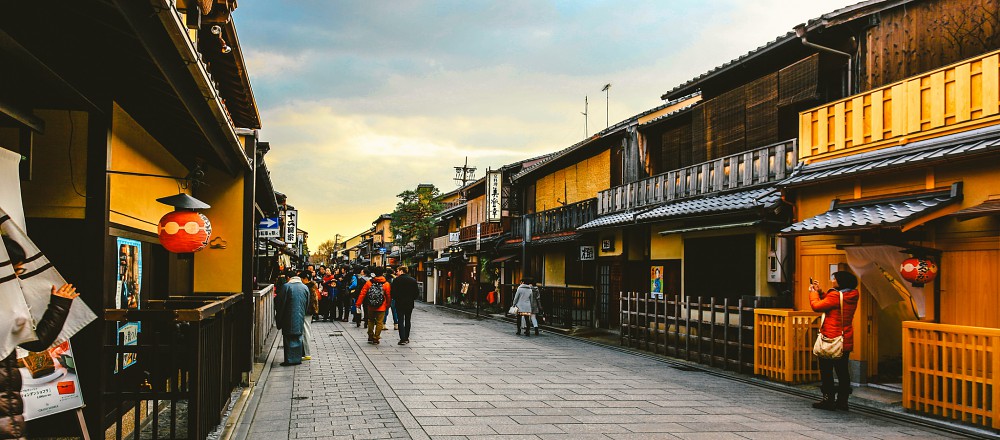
pixel 467 379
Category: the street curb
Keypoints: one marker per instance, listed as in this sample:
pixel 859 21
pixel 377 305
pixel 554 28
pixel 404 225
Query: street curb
pixel 861 407
pixel 245 417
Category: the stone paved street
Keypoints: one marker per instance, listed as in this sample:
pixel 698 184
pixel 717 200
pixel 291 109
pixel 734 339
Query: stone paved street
pixel 460 378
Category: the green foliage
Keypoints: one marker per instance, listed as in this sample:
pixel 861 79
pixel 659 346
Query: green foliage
pixel 413 219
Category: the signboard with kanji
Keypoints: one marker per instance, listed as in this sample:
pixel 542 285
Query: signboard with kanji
pixel 494 182
pixel 586 253
pixel 291 226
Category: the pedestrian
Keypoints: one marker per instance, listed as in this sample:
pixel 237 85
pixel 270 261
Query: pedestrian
pixel 404 292
pixel 346 284
pixel 12 423
pixel 838 306
pixel 525 301
pixel 359 312
pixel 311 311
pixel 327 295
pixel 375 296
pixel 389 276
pixel 536 311
pixel 290 311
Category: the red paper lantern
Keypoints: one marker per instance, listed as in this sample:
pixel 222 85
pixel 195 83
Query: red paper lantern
pixel 918 271
pixel 184 231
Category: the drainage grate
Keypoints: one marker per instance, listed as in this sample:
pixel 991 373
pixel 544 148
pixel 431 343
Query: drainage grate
pixel 299 398
pixel 337 334
pixel 685 368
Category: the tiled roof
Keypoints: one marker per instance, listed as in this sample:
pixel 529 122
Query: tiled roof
pixel 450 211
pixel 718 203
pixel 555 240
pixel 989 207
pixel 671 114
pixel 615 219
pixel 979 141
pixel 864 7
pixel 861 215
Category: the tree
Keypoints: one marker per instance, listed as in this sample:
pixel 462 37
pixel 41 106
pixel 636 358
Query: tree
pixel 413 219
pixel 323 252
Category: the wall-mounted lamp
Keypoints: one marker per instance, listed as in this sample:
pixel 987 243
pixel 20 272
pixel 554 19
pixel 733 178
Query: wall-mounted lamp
pixel 216 30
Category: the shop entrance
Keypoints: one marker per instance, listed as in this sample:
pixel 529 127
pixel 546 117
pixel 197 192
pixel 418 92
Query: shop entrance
pixel 609 287
pixel 720 267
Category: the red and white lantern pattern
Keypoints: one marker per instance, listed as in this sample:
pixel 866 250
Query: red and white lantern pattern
pixel 918 271
pixel 184 231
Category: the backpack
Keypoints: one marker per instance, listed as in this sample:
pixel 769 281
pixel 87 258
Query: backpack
pixel 375 296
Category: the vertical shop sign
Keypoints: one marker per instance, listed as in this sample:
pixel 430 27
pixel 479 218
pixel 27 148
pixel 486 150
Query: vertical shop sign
pixel 128 287
pixel 291 226
pixel 493 199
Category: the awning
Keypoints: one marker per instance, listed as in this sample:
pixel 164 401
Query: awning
pixel 442 260
pixel 989 207
pixel 759 198
pixel 710 228
pixel 555 240
pixel 610 220
pixel 901 212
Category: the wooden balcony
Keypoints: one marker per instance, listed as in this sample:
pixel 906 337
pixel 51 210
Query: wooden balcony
pixel 767 164
pixel 948 371
pixel 487 229
pixel 562 219
pixel 954 98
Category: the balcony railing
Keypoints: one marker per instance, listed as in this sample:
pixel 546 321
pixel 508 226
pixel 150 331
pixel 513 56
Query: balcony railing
pixel 950 371
pixel 767 164
pixel 487 229
pixel 957 97
pixel 562 219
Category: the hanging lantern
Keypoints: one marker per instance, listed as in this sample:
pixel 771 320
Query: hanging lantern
pixel 918 271
pixel 184 230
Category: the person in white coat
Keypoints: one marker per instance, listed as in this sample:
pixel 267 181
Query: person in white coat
pixel 526 302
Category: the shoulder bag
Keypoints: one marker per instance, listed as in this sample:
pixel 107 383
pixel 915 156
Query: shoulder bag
pixel 830 348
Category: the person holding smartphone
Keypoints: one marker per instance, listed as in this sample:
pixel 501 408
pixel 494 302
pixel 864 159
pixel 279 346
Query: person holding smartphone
pixel 839 304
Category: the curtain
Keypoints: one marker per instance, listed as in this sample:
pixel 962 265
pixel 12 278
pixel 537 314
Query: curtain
pixel 878 269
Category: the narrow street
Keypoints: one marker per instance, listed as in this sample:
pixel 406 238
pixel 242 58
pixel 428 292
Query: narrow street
pixel 460 378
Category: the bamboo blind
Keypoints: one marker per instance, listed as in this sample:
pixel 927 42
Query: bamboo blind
pixel 948 372
pixel 954 98
pixel 783 341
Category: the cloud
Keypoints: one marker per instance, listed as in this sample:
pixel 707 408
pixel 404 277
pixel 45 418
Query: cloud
pixel 362 100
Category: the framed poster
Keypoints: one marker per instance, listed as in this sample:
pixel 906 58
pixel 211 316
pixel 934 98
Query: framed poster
pixel 49 381
pixel 128 288
pixel 656 281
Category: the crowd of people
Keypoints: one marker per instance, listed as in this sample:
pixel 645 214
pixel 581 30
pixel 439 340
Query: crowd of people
pixel 362 295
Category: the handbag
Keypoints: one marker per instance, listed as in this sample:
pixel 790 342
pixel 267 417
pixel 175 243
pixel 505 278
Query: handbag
pixel 513 310
pixel 830 348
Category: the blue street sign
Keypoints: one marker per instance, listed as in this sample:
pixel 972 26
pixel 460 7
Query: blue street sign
pixel 269 228
pixel 381 251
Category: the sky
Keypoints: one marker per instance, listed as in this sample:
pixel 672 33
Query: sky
pixel 361 100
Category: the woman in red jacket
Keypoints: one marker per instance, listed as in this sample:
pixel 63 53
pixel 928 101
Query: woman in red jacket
pixel 839 321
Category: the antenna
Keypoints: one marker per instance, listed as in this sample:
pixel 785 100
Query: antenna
pixel 607 109
pixel 586 117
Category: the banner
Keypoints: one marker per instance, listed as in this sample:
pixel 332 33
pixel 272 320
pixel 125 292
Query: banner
pixel 49 381
pixel 494 185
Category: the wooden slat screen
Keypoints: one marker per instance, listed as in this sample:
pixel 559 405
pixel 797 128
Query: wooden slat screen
pixel 761 111
pixel 948 371
pixel 726 120
pixel 783 341
pixel 676 150
pixel 799 82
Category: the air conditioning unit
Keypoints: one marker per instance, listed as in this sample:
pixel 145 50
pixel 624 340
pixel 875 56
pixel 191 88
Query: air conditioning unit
pixel 777 259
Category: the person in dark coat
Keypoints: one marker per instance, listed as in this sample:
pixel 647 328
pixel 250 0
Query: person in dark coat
pixel 12 424
pixel 838 321
pixel 404 293
pixel 289 315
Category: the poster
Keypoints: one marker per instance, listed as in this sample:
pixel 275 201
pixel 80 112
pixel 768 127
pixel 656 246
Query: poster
pixel 127 294
pixel 656 282
pixel 49 381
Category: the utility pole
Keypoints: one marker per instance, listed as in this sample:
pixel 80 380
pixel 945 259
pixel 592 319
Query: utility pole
pixel 464 174
pixel 586 116
pixel 607 109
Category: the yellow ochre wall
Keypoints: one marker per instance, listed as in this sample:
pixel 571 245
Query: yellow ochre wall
pixel 577 182
pixel 51 193
pixel 555 268
pixel 134 150
pixel 221 270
